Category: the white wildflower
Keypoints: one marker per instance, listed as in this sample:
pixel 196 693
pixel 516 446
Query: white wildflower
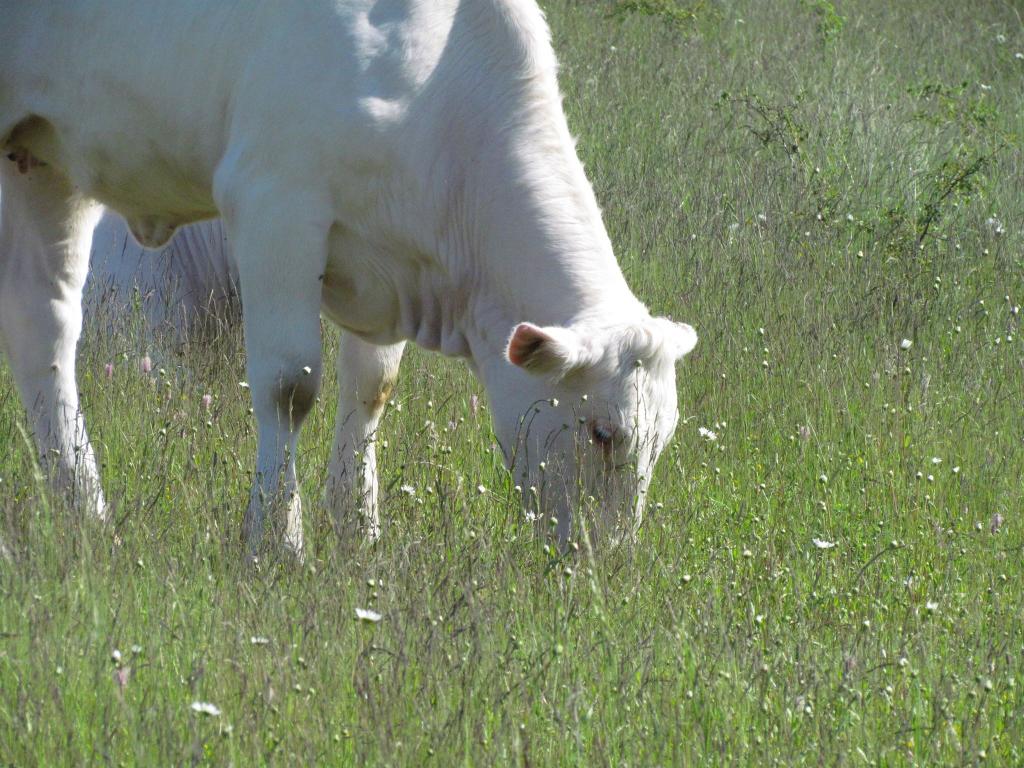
pixel 906 344
pixel 823 544
pixel 206 708
pixel 707 434
pixel 370 617
pixel 995 226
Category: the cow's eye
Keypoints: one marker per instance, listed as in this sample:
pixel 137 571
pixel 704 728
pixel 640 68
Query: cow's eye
pixel 602 432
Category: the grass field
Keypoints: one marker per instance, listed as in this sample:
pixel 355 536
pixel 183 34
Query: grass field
pixel 809 185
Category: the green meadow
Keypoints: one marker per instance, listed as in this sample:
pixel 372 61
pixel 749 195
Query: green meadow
pixel 831 567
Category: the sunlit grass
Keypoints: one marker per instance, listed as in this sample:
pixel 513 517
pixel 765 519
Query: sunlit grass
pixel 835 578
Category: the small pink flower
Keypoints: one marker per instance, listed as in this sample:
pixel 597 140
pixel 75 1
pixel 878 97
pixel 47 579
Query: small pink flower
pixel 108 370
pixel 121 677
pixel 146 365
pixel 207 402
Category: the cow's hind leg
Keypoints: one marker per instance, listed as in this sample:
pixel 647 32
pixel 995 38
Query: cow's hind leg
pixel 280 242
pixel 366 376
pixel 45 233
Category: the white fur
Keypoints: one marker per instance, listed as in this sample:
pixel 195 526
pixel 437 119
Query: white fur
pixel 181 286
pixel 403 166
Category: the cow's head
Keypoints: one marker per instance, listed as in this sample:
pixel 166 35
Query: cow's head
pixel 585 413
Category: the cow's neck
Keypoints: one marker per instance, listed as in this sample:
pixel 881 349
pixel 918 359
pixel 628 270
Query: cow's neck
pixel 519 217
pixel 542 256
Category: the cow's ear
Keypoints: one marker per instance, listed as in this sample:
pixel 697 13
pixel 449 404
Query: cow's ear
pixel 681 337
pixel 549 350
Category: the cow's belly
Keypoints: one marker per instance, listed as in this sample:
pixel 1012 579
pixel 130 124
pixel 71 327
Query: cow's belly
pixel 156 179
pixel 155 192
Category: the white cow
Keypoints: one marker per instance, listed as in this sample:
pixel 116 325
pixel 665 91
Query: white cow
pixel 403 166
pixel 182 287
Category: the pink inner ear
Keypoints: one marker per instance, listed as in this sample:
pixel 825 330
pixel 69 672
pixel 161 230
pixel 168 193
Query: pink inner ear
pixel 526 340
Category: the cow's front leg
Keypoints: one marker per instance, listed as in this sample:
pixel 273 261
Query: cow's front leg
pixel 280 244
pixel 366 377
pixel 45 233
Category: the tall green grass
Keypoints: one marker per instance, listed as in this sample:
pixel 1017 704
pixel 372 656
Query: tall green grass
pixel 808 184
